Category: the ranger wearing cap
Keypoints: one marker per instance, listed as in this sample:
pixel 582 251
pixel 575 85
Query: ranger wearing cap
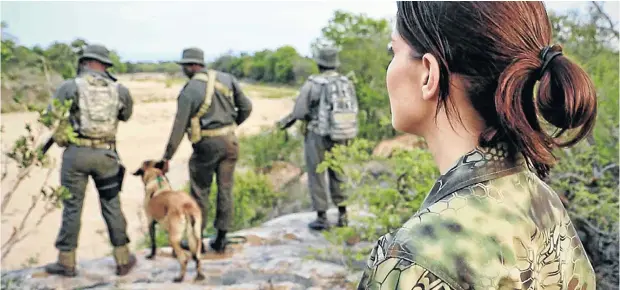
pixel 327 104
pixel 210 106
pixel 98 104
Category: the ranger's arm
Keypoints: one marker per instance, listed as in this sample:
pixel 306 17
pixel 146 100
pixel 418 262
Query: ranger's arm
pixel 396 273
pixel 301 109
pixel 185 104
pixel 126 103
pixel 243 103
pixel 66 91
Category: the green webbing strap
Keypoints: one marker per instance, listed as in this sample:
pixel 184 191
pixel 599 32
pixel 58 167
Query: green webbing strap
pixel 209 78
pixel 159 181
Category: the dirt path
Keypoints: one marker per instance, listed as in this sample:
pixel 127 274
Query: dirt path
pixel 143 137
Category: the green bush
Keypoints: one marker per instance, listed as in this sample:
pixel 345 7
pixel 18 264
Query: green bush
pixel 253 200
pixel 261 150
pixel 390 198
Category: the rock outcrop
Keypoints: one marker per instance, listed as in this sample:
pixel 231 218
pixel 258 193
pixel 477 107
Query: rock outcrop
pixel 276 255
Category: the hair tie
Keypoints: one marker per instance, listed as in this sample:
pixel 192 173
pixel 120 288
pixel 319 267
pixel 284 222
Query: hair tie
pixel 546 55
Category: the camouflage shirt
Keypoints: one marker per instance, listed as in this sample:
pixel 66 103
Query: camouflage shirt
pixel 222 111
pixel 488 223
pixel 68 90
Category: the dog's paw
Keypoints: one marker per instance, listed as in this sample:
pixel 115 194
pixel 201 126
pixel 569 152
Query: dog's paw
pixel 151 257
pixel 178 279
pixel 199 277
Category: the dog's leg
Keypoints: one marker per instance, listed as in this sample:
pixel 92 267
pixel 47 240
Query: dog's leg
pixel 194 237
pixel 174 236
pixel 153 244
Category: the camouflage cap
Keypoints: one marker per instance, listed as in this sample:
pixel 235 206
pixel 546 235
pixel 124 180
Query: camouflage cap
pixel 97 52
pixel 327 57
pixel 192 55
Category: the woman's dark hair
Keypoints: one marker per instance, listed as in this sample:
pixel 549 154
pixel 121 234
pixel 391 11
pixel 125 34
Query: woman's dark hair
pixel 496 47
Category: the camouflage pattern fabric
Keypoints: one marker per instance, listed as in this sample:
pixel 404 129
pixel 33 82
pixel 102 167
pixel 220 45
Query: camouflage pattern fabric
pixel 488 223
pixel 99 104
pixel 337 114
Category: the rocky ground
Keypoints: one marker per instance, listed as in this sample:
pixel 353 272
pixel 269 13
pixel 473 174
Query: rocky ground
pixel 276 255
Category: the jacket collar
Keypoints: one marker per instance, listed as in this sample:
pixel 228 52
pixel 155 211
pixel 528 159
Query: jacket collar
pixel 85 70
pixel 479 165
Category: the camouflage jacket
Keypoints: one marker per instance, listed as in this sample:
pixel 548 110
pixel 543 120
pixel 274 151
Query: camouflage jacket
pixel 488 223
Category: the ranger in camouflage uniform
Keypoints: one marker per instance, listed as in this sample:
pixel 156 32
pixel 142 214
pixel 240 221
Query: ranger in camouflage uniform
pixel 210 107
pixel 98 105
pixel 489 221
pixel 319 136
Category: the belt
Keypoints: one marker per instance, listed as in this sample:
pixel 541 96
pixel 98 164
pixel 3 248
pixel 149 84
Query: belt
pixel 95 143
pixel 226 130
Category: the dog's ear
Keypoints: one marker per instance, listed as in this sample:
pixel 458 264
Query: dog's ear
pixel 139 172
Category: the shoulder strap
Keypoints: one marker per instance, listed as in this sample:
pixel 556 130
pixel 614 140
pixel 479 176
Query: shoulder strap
pixel 209 78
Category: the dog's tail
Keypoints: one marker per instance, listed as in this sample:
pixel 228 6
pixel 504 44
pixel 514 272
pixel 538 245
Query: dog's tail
pixel 194 228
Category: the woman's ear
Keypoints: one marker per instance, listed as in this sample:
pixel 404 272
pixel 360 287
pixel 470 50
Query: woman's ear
pixel 430 81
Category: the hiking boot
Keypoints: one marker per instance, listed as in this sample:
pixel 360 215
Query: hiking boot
pixel 320 224
pixel 125 261
pixel 219 246
pixel 65 265
pixel 185 246
pixel 343 221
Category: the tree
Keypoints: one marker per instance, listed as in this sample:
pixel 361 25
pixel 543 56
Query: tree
pixel 363 43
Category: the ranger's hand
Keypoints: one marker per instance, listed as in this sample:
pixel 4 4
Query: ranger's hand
pixel 279 125
pixel 163 165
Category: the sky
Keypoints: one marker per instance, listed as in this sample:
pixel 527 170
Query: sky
pixel 159 30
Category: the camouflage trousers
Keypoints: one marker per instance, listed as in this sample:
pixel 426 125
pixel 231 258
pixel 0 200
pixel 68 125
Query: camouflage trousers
pixel 315 147
pixel 78 164
pixel 214 155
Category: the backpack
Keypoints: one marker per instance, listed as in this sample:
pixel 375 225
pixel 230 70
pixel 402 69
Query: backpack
pixel 98 103
pixel 338 108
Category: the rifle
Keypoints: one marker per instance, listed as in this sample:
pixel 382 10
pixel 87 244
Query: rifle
pixel 286 122
pixel 47 145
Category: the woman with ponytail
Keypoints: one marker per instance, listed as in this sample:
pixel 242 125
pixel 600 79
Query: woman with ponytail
pixel 482 83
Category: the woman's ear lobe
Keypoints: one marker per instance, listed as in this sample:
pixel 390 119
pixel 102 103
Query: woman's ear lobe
pixel 430 85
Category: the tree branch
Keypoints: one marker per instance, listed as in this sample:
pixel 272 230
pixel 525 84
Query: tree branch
pixel 599 8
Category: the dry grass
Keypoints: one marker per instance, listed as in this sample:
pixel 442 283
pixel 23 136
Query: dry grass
pixel 268 91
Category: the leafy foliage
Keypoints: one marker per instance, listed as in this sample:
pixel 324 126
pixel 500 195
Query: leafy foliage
pixel 253 199
pixel 262 150
pixel 28 156
pixel 363 42
pixel 284 65
pixel 29 75
pixel 387 190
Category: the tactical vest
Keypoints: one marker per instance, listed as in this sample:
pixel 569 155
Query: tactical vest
pixel 98 103
pixel 194 131
pixel 336 116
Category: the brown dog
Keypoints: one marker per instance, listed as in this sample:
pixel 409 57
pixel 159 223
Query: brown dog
pixel 175 211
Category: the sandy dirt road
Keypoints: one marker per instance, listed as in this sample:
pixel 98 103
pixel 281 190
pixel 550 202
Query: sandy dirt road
pixel 144 136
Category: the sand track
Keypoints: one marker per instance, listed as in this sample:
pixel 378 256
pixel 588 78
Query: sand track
pixel 144 136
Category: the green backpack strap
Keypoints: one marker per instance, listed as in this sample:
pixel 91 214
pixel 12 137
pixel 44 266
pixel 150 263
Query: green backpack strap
pixel 209 78
pixel 194 129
